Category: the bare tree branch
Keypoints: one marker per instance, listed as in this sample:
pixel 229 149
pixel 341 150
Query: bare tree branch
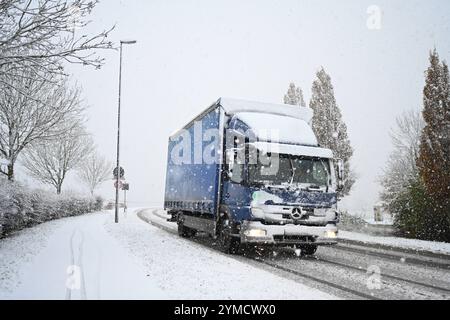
pixel 94 171
pixel 42 35
pixel 34 110
pixel 51 161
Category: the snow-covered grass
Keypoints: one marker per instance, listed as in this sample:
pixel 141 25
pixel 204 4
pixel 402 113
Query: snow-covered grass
pixel 129 260
pixel 396 242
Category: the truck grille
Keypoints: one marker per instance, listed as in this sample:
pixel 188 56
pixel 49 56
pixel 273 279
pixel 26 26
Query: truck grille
pixel 306 213
pixel 293 239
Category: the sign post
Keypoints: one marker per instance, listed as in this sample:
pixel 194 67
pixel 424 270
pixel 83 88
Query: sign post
pixel 118 185
pixel 125 188
pixel 119 174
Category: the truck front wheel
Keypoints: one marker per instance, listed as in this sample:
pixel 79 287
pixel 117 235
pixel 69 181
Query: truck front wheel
pixel 308 249
pixel 227 243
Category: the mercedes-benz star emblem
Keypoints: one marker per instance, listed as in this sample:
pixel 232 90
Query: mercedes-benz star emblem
pixel 297 213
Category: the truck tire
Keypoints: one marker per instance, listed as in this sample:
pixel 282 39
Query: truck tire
pixel 184 231
pixel 308 249
pixel 227 243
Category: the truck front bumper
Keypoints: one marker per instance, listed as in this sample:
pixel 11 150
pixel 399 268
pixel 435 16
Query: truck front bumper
pixel 255 232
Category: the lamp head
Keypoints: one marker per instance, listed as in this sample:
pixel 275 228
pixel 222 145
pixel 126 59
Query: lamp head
pixel 128 41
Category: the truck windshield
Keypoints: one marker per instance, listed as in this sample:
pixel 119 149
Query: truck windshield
pixel 296 170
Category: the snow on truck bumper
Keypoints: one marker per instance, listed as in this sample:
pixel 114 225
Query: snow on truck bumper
pixel 256 232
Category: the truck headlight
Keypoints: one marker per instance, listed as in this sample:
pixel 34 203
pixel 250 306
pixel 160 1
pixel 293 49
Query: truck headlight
pixel 331 234
pixel 255 233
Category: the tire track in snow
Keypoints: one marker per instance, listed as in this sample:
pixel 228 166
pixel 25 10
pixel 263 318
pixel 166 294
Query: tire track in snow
pixel 76 270
pixel 428 260
pixel 393 277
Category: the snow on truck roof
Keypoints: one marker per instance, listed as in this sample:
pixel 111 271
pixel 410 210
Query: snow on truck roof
pixel 276 128
pixel 233 106
pixel 290 123
pixel 271 121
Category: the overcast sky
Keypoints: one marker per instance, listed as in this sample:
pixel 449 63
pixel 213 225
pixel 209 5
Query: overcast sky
pixel 190 53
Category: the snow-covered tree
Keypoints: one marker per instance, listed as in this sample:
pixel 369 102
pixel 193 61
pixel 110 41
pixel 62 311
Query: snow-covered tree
pixel 329 127
pixel 51 161
pixel 416 184
pixel 401 169
pixel 32 110
pixel 294 96
pixel 95 170
pixel 41 36
pixel 434 159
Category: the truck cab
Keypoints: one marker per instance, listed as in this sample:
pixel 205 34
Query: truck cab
pixel 271 184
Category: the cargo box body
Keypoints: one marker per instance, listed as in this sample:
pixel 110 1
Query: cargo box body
pixel 192 184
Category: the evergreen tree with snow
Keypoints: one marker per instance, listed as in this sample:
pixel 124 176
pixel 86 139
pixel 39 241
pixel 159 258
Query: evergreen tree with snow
pixel 434 156
pixel 294 96
pixel 329 127
pixel 411 208
pixel 416 181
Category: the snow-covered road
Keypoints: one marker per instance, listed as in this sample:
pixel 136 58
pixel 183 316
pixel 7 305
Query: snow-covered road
pixel 90 257
pixel 351 269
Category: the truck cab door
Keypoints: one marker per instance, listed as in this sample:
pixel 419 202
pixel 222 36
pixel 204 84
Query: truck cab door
pixel 236 194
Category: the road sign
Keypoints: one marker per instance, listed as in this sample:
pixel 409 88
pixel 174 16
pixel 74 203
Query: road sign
pixel 116 173
pixel 125 186
pixel 120 184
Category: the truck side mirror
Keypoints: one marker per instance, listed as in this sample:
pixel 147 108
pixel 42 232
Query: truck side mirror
pixel 229 162
pixel 234 171
pixel 340 174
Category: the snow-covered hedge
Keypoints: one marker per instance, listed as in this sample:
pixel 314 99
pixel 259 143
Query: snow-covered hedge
pixel 22 207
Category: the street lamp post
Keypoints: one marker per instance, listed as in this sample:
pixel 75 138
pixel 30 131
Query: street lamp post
pixel 118 129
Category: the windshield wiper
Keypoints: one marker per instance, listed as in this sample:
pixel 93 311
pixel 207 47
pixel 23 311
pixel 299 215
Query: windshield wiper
pixel 293 170
pixel 328 174
pixel 311 187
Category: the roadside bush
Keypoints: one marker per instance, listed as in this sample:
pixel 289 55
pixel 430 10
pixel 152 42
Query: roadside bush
pixel 98 204
pixel 417 217
pixel 22 207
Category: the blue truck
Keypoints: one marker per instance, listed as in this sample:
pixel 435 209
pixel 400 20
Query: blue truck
pixel 251 173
